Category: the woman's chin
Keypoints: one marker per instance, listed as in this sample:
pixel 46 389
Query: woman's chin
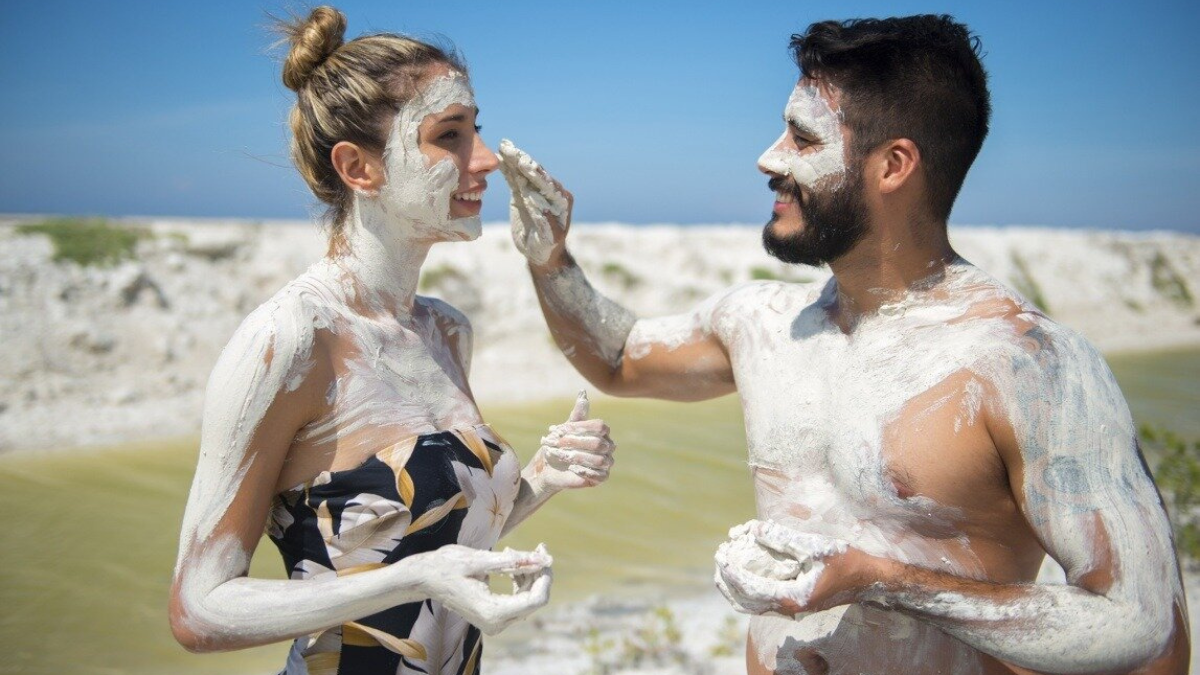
pixel 465 228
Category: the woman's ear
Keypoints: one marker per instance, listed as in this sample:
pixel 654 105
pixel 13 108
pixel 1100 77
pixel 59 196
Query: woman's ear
pixel 359 169
pixel 900 159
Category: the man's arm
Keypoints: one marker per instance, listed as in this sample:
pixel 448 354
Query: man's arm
pixel 1065 434
pixel 678 358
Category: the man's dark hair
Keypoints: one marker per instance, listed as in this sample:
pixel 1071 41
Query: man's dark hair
pixel 914 77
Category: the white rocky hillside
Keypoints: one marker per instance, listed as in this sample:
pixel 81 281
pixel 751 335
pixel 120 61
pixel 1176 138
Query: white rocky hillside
pixel 100 355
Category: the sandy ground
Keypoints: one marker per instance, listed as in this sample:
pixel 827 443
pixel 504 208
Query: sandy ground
pixel 98 356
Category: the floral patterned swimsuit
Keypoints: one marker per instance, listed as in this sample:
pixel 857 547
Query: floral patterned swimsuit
pixel 449 487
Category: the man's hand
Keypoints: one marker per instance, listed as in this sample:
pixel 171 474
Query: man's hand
pixel 540 209
pixel 767 568
pixel 456 576
pixel 577 453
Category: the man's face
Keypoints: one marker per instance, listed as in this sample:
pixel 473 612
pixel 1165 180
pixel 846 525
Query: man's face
pixel 819 213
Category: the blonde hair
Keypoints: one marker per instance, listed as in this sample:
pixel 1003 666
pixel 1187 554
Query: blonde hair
pixel 347 91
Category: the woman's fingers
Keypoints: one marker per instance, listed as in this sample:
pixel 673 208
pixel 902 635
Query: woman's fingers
pixel 509 561
pixel 582 408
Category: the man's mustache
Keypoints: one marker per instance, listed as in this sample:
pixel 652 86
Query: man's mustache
pixel 785 184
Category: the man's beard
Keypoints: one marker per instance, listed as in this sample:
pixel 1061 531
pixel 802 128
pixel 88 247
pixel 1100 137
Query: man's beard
pixel 834 221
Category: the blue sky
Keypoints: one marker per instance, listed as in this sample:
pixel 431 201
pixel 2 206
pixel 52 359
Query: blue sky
pixel 647 111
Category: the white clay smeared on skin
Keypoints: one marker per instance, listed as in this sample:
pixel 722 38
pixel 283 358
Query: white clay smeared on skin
pixel 535 198
pixel 608 324
pixel 416 189
pixel 819 459
pixel 821 408
pixel 808 110
pixel 397 365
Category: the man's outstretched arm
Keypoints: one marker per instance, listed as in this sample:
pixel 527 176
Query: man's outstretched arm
pixel 678 358
pixel 1065 435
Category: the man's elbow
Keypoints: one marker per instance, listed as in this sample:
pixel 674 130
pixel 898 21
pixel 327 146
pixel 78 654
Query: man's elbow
pixel 1176 652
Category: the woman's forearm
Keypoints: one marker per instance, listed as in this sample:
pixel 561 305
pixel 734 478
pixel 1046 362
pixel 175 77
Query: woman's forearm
pixel 212 614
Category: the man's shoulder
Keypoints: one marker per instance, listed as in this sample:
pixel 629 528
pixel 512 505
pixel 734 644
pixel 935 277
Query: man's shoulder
pixel 752 297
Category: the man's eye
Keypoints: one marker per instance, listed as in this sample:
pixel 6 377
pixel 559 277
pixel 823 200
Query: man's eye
pixel 478 128
pixel 449 135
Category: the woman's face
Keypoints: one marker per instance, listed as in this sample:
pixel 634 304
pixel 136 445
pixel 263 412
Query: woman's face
pixel 436 162
pixel 454 134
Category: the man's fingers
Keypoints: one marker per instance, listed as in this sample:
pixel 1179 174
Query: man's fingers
pixel 538 178
pixel 737 601
pixel 799 545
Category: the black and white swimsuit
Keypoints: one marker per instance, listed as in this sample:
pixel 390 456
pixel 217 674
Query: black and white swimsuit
pixel 449 487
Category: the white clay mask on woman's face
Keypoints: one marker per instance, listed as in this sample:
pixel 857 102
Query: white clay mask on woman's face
pixel 809 112
pixel 418 190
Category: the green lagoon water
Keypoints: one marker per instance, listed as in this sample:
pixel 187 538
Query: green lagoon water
pixel 87 556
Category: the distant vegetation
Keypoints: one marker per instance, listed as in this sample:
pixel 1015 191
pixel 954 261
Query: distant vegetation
pixel 1176 467
pixel 435 277
pixel 88 241
pixel 1023 281
pixel 619 274
pixel 767 274
pixel 1168 282
pixel 657 643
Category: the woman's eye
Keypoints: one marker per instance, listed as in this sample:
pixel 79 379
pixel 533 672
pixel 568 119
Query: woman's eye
pixel 449 135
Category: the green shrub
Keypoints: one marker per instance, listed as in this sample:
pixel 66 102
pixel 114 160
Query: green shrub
pixel 1168 282
pixel 88 241
pixel 1176 468
pixel 619 274
pixel 435 277
pixel 758 273
pixel 1023 281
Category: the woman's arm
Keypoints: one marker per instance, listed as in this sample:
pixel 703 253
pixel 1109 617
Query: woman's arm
pixel 264 387
pixel 575 454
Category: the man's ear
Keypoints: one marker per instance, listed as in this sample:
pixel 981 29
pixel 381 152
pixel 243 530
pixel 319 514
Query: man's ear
pixel 899 160
pixel 359 169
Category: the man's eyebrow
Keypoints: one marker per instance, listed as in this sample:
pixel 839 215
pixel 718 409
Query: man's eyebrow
pixel 800 127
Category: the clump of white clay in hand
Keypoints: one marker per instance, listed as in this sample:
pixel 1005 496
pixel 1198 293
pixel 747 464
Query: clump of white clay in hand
pixel 535 197
pixel 742 549
pixel 767 568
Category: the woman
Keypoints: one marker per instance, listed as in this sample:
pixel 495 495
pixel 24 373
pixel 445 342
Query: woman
pixel 340 414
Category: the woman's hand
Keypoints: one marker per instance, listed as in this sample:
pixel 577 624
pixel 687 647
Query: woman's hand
pixel 575 454
pixel 540 209
pixel 456 576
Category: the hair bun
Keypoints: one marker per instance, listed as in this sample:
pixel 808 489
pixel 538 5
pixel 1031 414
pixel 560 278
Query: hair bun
pixel 313 40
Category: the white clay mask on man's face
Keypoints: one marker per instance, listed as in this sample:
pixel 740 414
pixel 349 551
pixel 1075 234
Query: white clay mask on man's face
pixel 418 190
pixel 808 111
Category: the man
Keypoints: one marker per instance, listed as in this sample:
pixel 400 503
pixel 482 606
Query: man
pixel 920 436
